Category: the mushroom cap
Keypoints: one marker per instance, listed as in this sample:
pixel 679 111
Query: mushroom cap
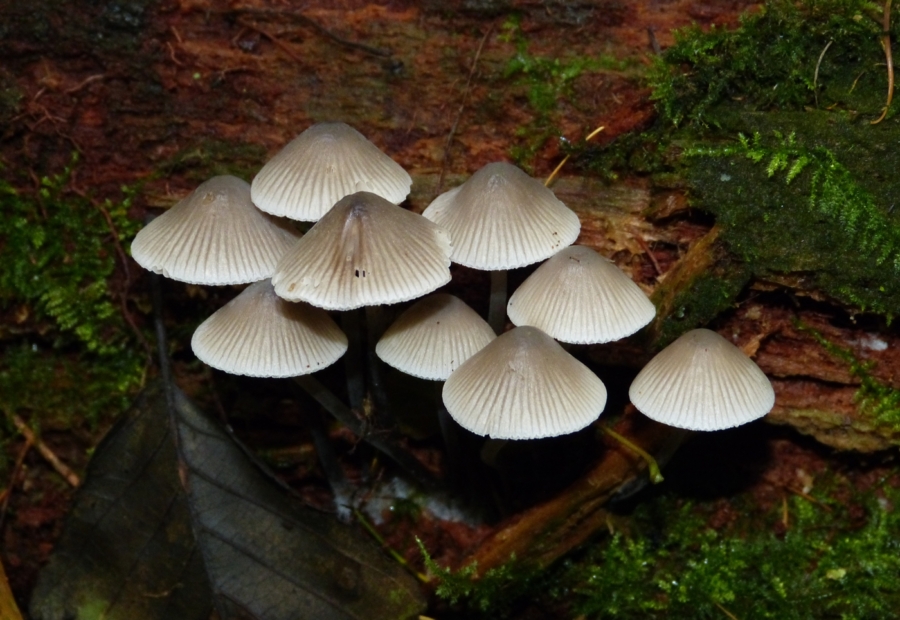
pixel 702 382
pixel 433 337
pixel 214 236
pixel 581 297
pixel 322 165
pixel 501 218
pixel 523 385
pixel 258 334
pixel 365 251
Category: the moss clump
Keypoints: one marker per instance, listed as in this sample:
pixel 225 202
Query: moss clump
pixel 788 206
pixel 69 356
pixel 774 138
pixel 879 402
pixel 704 284
pixel 57 256
pixel 492 595
pixel 769 63
pixel 829 563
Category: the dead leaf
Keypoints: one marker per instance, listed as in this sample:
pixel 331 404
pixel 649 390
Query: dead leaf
pixel 127 549
pixel 264 555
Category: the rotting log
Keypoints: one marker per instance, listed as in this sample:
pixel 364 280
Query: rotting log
pixel 538 536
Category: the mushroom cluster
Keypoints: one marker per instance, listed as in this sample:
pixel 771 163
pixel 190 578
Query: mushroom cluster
pixel 365 251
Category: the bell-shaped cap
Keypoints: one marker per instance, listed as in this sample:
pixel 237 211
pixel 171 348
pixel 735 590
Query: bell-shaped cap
pixel 501 218
pixel 214 236
pixel 581 297
pixel 365 251
pixel 258 334
pixel 523 385
pixel 433 337
pixel 702 382
pixel 322 165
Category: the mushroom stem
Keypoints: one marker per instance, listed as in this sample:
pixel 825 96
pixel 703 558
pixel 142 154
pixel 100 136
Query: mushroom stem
pixel 497 308
pixel 344 415
pixel 340 486
pixel 653 468
pixel 452 446
pixel 353 359
pixel 374 330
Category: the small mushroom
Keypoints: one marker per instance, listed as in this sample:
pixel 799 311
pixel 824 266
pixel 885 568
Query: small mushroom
pixel 702 382
pixel 502 219
pixel 365 251
pixel 214 236
pixel 580 297
pixel 433 337
pixel 258 334
pixel 322 165
pixel 523 385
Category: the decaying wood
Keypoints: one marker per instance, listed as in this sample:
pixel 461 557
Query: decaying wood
pixel 540 535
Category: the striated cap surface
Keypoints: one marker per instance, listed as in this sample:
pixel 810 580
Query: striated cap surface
pixel 501 218
pixel 523 385
pixel 258 334
pixel 581 297
pixel 214 236
pixel 365 251
pixel 322 165
pixel 702 382
pixel 434 337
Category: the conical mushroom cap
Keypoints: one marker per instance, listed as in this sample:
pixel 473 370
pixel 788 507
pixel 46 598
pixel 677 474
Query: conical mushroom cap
pixel 365 251
pixel 578 296
pixel 433 337
pixel 523 385
pixel 501 218
pixel 258 334
pixel 322 165
pixel 214 236
pixel 702 382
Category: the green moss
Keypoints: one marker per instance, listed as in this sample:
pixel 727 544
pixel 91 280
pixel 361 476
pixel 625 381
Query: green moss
pixel 879 402
pixel 712 292
pixel 809 198
pixel 492 595
pixel 673 565
pixel 544 82
pixel 69 356
pixel 788 206
pixel 57 256
pixel 56 390
pixel 769 63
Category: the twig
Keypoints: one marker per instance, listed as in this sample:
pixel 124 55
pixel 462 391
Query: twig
pixel 61 468
pixel 652 466
pixel 392 552
pixel 725 611
pixel 340 41
pixel 816 74
pixel 374 51
pixel 172 54
pixel 7 492
pixel 640 240
pixel 886 43
pixel 85 82
pixel 799 493
pixel 566 158
pixel 271 37
pixel 462 106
